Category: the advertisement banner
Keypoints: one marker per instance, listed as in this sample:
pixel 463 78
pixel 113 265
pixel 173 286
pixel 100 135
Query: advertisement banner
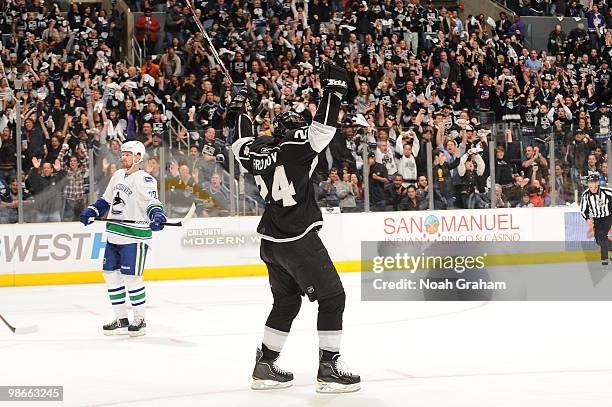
pixel 218 247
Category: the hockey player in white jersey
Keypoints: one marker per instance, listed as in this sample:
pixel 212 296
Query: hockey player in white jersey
pixel 130 194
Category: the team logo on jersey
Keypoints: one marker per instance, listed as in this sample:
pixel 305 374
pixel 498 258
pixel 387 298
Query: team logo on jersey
pixel 604 124
pixel 208 149
pixel 118 205
pixel 148 179
pixel 266 150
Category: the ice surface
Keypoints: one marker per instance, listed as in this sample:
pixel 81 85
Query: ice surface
pixel 201 338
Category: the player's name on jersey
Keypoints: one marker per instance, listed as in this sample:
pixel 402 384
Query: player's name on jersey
pixel 264 162
pixel 123 188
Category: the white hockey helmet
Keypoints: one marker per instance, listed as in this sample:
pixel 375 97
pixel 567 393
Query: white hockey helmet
pixel 135 147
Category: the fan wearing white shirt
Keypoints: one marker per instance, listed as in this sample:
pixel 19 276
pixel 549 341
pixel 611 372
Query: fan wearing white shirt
pixel 386 157
pixel 407 166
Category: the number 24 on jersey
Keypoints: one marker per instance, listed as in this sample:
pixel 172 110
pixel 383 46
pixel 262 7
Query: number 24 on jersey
pixel 282 189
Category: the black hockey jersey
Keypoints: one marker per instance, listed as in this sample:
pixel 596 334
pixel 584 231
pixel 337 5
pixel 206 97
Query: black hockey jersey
pixel 283 170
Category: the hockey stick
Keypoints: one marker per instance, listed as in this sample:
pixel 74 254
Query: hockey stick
pixel 20 331
pixel 147 222
pixel 213 50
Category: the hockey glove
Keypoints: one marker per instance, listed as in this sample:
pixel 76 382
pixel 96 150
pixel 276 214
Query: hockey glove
pixel 334 79
pixel 236 107
pixel 97 209
pixel 86 215
pixel 158 218
pixel 238 103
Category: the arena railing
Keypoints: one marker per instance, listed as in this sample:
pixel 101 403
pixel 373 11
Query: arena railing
pixel 219 188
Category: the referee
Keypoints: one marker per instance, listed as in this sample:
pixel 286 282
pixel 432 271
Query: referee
pixel 596 208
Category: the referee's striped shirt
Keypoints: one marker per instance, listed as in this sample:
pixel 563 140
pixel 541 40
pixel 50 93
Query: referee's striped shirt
pixel 596 205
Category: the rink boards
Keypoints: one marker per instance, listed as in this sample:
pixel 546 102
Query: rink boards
pixel 66 253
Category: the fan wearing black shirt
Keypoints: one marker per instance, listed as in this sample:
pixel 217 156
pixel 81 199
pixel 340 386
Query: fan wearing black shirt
pixel 378 180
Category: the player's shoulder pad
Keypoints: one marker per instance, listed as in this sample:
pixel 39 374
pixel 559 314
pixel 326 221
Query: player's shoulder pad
pixel 241 147
pixel 119 174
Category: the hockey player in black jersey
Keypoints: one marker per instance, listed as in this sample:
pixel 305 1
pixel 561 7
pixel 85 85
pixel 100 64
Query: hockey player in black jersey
pixel 297 260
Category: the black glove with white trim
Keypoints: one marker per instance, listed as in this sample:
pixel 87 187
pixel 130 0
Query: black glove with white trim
pixel 238 103
pixel 334 79
pixel 236 107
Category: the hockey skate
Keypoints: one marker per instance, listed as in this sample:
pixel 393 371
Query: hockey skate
pixel 137 328
pixel 267 375
pixel 333 377
pixel 117 327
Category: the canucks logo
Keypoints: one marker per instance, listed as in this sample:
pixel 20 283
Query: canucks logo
pixel 118 205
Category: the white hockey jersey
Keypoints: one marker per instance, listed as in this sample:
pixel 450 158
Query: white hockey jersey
pixel 130 197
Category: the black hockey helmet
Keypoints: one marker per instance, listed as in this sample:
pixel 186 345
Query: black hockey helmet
pixel 287 120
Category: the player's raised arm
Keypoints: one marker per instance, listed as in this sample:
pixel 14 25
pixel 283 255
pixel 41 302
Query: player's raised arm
pixel 334 81
pixel 243 128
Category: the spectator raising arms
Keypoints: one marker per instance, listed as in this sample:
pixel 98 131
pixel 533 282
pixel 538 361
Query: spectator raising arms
pixel 418 74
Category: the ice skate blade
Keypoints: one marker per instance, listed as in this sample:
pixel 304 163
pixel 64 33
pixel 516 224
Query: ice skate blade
pixel 118 331
pixel 137 333
pixel 259 384
pixel 330 387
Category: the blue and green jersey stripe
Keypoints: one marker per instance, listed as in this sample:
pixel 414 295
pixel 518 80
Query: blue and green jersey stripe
pixel 153 206
pixel 129 231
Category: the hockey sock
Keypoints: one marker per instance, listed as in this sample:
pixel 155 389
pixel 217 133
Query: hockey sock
pixel 329 322
pixel 274 340
pixel 330 340
pixel 116 292
pixel 284 311
pixel 136 292
pixel 269 354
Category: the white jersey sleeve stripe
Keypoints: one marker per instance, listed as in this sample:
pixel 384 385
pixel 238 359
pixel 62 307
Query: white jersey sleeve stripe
pixel 327 107
pixel 320 135
pixel 237 146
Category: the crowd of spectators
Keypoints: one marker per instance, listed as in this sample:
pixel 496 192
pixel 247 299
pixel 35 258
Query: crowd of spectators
pixel 419 74
pixel 557 8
